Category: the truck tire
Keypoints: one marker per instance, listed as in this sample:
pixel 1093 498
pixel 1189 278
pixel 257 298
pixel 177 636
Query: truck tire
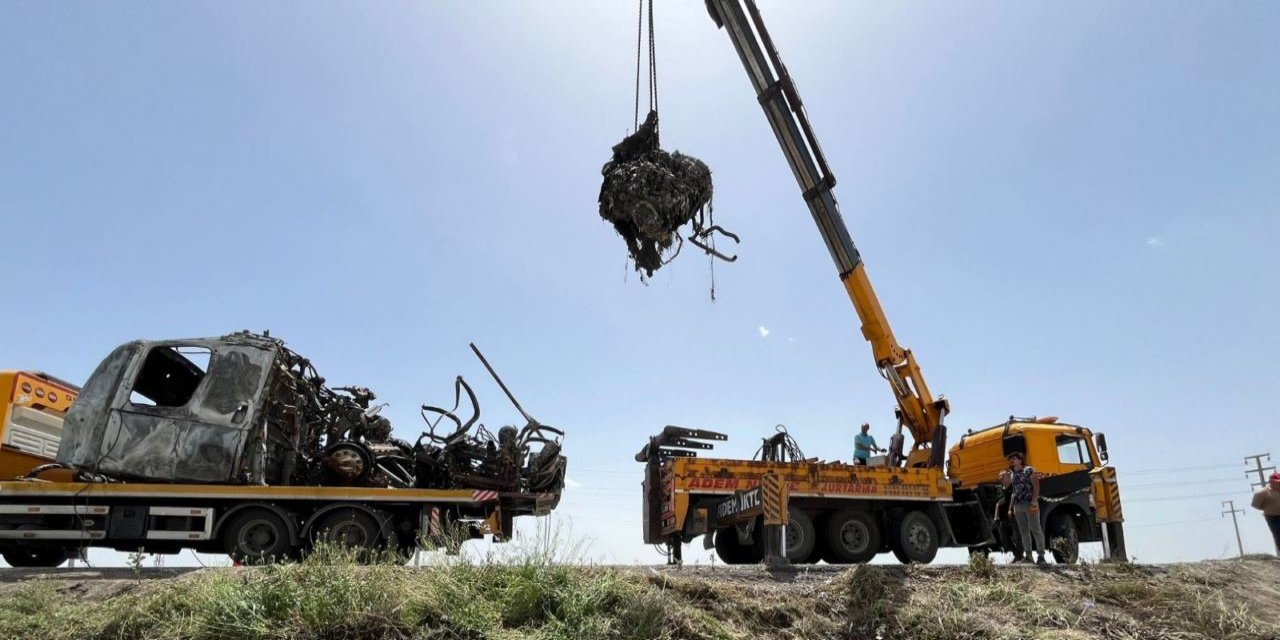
pixel 730 551
pixel 41 557
pixel 819 552
pixel 257 536
pixel 801 537
pixel 1062 528
pixel 852 536
pixel 913 538
pixel 351 529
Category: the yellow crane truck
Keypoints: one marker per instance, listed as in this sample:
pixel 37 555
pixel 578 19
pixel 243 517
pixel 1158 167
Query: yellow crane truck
pixel 913 502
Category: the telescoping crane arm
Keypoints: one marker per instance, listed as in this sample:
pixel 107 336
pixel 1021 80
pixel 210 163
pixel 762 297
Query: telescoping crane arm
pixel 917 410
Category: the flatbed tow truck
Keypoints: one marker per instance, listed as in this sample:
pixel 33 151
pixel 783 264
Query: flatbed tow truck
pixel 235 445
pixel 908 503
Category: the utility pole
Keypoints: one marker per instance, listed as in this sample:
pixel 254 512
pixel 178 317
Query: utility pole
pixel 1259 469
pixel 1231 509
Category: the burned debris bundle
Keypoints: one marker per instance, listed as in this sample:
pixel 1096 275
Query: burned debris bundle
pixel 465 453
pixel 357 447
pixel 256 412
pixel 648 194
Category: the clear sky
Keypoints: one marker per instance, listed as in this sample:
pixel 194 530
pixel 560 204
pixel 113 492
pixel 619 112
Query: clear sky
pixel 1067 209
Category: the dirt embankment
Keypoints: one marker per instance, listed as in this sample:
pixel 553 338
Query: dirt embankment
pixel 1211 600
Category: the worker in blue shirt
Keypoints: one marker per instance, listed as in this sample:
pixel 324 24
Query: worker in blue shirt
pixel 864 445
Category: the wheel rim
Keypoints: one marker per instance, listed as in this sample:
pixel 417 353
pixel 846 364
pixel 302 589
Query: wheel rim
pixel 349 534
pixel 795 537
pixel 348 461
pixel 854 536
pixel 257 537
pixel 918 537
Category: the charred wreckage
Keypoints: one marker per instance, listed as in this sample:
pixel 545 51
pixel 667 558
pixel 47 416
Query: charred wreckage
pixel 245 409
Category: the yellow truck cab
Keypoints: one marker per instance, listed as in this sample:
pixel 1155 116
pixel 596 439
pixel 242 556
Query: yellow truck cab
pixel 1079 495
pixel 32 408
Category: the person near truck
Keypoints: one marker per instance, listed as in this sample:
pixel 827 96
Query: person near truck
pixel 1001 522
pixel 1267 500
pixel 864 445
pixel 1024 483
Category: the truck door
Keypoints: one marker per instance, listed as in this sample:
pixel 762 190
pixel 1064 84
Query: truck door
pixel 184 412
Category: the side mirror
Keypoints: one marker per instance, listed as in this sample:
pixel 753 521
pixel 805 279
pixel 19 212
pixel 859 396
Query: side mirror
pixel 1101 440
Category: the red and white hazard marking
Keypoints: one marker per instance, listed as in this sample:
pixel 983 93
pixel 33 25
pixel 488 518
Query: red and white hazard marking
pixel 484 496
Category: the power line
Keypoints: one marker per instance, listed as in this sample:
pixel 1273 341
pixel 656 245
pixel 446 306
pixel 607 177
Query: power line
pixel 1170 524
pixel 1198 495
pixel 1207 467
pixel 1179 483
pixel 1259 469
pixel 1231 509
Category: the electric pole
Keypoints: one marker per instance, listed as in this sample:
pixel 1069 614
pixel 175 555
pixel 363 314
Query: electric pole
pixel 1231 509
pixel 1259 469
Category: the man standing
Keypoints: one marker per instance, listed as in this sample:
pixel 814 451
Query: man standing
pixel 1267 500
pixel 864 445
pixel 1001 522
pixel 1024 483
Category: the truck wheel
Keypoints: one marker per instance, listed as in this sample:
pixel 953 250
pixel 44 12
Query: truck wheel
pixel 257 536
pixel 852 536
pixel 800 536
pixel 730 551
pixel 351 529
pixel 914 538
pixel 47 557
pixel 1064 540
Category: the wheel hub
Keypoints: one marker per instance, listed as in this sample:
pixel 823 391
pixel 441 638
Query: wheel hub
pixel 257 537
pixel 854 536
pixel 349 534
pixel 918 537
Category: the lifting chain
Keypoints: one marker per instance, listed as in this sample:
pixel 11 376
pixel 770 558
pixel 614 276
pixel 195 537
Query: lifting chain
pixel 653 64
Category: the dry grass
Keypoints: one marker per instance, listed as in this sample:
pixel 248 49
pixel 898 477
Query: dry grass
pixel 529 596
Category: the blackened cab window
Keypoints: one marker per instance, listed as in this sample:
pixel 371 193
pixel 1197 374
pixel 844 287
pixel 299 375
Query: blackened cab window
pixel 170 376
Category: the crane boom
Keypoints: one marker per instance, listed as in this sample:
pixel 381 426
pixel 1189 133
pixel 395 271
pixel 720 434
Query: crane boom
pixel 917 410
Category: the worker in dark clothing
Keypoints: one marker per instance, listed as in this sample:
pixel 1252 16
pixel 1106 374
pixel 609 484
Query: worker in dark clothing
pixel 1025 506
pixel 1002 524
pixel 1267 500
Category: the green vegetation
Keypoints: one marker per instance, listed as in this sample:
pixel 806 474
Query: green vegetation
pixel 329 596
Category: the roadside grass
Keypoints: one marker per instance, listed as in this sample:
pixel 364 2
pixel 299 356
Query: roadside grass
pixel 532 593
pixel 1204 601
pixel 330 595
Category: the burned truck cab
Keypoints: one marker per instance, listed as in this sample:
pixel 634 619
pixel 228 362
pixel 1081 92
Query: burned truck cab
pixel 180 411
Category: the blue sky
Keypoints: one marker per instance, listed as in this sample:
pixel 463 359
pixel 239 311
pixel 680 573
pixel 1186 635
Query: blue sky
pixel 1067 209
